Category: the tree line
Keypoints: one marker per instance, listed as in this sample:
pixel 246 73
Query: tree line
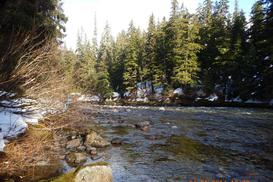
pixel 212 49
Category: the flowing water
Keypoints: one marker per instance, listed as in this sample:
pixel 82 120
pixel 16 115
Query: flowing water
pixel 187 143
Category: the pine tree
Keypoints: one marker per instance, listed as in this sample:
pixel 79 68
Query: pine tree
pixel 160 73
pixel 121 46
pixel 258 53
pixel 105 63
pixel 172 41
pixel 219 44
pixel 150 52
pixel 237 53
pixel 206 55
pixel 85 74
pixel 186 67
pixel 130 75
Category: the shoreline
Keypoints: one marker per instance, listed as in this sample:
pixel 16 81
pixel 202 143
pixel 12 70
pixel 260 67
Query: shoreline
pixel 194 104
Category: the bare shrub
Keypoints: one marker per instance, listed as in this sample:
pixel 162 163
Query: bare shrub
pixel 36 71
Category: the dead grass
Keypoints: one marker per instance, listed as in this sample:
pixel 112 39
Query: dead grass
pixel 38 144
pixel 74 119
pixel 21 154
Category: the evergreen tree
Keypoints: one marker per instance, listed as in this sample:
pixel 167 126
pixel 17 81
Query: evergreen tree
pixel 118 66
pixel 206 55
pixel 160 73
pixel 186 65
pixel 85 73
pixel 104 64
pixel 257 53
pixel 237 53
pixel 131 67
pixel 172 41
pixel 220 44
pixel 267 75
pixel 150 52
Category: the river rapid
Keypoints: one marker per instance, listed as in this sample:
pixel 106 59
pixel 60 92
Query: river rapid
pixel 183 143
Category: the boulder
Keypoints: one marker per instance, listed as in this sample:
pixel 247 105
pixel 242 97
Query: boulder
pixel 98 173
pixel 117 141
pixel 73 144
pixel 142 124
pixel 95 140
pixel 145 128
pixel 75 158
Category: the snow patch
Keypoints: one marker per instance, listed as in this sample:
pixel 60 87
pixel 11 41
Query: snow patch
pixel 212 98
pixel 85 98
pixel 116 95
pixel 162 109
pixel 178 91
pixel 94 98
pixel 11 124
pixel 2 143
pixel 237 99
pixel 254 101
pixel 127 94
pixel 145 99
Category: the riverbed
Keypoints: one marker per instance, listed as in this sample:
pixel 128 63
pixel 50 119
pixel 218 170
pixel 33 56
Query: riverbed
pixel 183 143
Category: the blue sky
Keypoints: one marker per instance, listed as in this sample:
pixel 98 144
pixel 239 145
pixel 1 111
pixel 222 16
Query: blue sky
pixel 119 13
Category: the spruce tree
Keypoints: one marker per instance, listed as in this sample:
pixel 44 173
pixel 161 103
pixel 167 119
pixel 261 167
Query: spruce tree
pixel 267 74
pixel 104 64
pixel 150 53
pixel 186 65
pixel 121 47
pixel 258 53
pixel 237 54
pixel 130 75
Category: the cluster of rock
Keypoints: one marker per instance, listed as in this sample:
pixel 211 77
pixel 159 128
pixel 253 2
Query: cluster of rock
pixel 77 146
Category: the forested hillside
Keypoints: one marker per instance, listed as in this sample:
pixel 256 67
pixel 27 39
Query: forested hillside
pixel 211 52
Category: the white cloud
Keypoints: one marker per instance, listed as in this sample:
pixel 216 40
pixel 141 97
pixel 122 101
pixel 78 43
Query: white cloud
pixel 117 12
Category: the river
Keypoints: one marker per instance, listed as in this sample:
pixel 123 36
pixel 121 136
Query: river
pixel 184 143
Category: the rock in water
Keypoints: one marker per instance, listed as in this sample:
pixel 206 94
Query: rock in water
pixel 117 141
pixel 73 144
pixel 94 174
pixel 75 159
pixel 95 140
pixel 142 124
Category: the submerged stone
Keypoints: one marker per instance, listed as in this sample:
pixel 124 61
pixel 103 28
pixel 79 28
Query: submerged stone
pixel 75 158
pixel 95 140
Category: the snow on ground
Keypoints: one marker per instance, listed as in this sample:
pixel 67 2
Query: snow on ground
pixel 11 125
pixel 2 143
pixel 145 99
pixel 212 98
pixel 85 98
pixel 178 91
pixel 17 113
pixel 254 101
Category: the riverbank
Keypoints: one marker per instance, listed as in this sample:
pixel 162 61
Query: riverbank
pixel 186 103
pixel 44 149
